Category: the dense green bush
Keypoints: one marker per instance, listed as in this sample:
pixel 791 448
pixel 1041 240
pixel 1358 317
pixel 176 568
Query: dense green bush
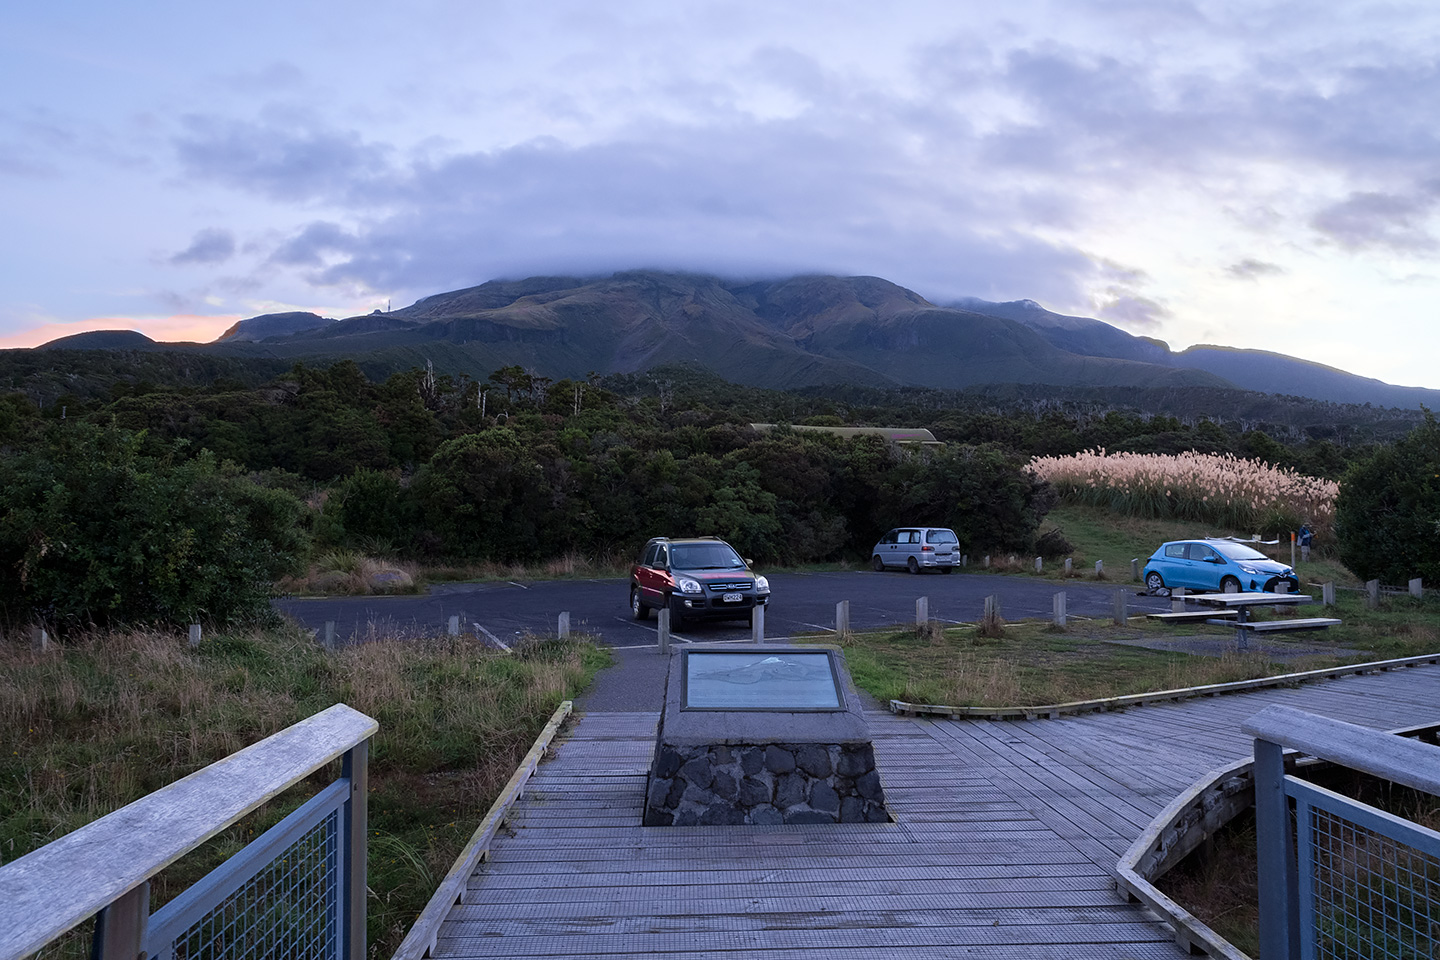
pixel 1387 519
pixel 93 530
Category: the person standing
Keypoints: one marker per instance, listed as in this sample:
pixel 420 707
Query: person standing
pixel 1305 537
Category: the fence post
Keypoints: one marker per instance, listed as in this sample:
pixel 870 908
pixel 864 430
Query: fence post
pixel 194 635
pixel 1122 609
pixel 1372 594
pixel 1327 593
pixel 1417 588
pixel 1058 607
pixel 992 607
pixel 1039 565
pixel 1279 895
pixel 39 639
pixel 1069 566
pixel 842 618
pixel 1134 568
pixel 120 927
pixel 1292 549
pixel 562 627
pixel 1099 568
pixel 922 611
pixel 757 624
pixel 355 767
pixel 328 636
pixel 1177 599
pixel 662 628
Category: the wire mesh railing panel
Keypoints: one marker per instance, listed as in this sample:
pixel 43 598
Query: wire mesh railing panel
pixel 1369 884
pixel 289 910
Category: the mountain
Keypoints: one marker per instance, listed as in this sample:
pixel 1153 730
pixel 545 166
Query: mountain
pixel 273 325
pixel 787 333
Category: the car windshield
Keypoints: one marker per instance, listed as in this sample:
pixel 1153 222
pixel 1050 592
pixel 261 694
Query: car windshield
pixel 704 556
pixel 941 536
pixel 1237 552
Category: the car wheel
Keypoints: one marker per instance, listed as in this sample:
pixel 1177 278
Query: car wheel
pixel 637 606
pixel 877 564
pixel 1229 585
pixel 913 565
pixel 1154 583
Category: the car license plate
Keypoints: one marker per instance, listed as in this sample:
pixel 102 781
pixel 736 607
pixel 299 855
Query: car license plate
pixel 732 598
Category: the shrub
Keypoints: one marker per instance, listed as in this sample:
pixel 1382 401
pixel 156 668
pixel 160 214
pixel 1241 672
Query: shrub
pixel 1387 521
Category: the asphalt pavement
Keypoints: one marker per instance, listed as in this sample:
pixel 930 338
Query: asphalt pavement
pixel 800 603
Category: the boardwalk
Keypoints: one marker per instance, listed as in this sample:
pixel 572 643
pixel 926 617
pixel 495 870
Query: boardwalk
pixel 1005 840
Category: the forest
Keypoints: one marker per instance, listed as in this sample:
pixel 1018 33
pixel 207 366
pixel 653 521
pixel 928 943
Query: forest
pixel 516 468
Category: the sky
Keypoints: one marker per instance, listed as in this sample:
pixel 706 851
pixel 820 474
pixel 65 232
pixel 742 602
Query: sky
pixel 1255 174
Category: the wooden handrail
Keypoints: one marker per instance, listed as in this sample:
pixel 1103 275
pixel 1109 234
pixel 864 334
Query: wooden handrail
pixel 1402 761
pixel 49 890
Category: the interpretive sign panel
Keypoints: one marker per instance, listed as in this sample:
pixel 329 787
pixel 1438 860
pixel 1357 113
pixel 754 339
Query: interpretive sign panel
pixel 745 680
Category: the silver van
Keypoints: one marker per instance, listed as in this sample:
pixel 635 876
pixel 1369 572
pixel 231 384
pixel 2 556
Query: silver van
pixel 916 549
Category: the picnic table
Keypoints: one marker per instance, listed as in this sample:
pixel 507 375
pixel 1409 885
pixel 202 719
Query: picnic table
pixel 1241 603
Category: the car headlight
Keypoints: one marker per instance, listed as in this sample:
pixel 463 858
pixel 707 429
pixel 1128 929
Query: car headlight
pixel 1249 569
pixel 686 585
pixel 762 585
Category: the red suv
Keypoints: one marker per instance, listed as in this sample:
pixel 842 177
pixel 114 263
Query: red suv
pixel 697 578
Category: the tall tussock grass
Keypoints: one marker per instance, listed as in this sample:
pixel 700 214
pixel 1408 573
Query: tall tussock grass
pixel 107 717
pixel 1223 490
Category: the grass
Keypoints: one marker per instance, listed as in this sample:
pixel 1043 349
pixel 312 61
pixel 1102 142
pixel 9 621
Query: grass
pixel 106 718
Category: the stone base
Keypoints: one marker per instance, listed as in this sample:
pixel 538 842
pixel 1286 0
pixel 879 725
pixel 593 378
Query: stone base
pixel 764 783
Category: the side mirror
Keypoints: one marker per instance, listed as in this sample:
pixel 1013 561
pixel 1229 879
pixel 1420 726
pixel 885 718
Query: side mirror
pixel 749 562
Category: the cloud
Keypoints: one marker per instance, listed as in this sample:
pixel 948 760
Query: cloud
pixel 174 328
pixel 1251 269
pixel 210 246
pixel 1367 220
pixel 1130 309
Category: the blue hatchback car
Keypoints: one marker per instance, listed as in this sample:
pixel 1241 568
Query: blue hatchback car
pixel 1216 566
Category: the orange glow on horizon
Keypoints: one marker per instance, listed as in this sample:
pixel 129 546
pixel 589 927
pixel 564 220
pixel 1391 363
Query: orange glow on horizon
pixel 175 328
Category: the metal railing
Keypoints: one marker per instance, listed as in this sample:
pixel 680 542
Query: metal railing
pixel 298 891
pixel 1339 878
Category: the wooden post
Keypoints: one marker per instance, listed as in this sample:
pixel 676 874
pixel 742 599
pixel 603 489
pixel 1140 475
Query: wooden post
pixel 1372 594
pixel 1177 600
pixel 1134 568
pixel 453 627
pixel 986 562
pixel 922 611
pixel 1417 588
pixel 842 618
pixel 1099 568
pixel 1058 608
pixel 964 559
pixel 1039 565
pixel 562 628
pixel 1281 587
pixel 1275 849
pixel 1122 610
pixel 663 628
pixel 328 636
pixel 1069 566
pixel 992 607
pixel 39 639
pixel 757 624
pixel 194 635
pixel 355 767
pixel 120 927
pixel 1292 549
pixel 1327 593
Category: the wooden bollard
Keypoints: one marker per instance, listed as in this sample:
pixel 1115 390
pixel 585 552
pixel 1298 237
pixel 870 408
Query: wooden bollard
pixel 1134 568
pixel 1122 609
pixel 757 625
pixel 194 636
pixel 1327 593
pixel 1372 594
pixel 1039 565
pixel 842 618
pixel 1099 568
pixel 986 562
pixel 922 611
pixel 327 636
pixel 1057 606
pixel 562 626
pixel 1281 587
pixel 1069 566
pixel 452 628
pixel 39 639
pixel 964 559
pixel 1417 588
pixel 992 607
pixel 662 629
pixel 1177 599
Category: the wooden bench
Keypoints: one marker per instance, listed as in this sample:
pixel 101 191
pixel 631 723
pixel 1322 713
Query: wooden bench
pixel 1194 616
pixel 1273 626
